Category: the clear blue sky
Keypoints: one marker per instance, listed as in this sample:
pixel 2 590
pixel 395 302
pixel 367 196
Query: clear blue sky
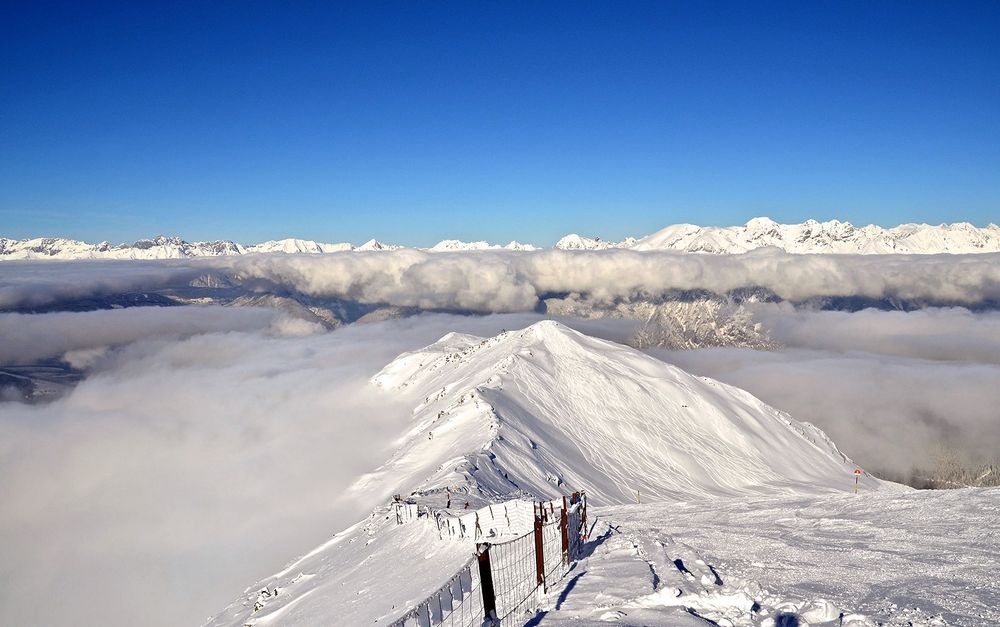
pixel 416 121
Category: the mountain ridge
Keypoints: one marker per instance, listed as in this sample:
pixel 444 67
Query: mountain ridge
pixel 533 414
pixel 546 409
pixel 809 237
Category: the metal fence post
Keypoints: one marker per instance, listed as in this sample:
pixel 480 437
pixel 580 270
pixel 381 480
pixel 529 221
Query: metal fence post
pixel 563 526
pixel 486 582
pixel 539 547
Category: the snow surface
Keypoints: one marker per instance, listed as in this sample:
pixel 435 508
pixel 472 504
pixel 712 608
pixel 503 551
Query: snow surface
pixel 538 413
pixel 914 558
pixel 547 410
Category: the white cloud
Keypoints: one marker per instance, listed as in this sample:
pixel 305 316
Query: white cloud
pixel 496 281
pixel 189 464
pixel 944 334
pixel 884 411
pixel 29 338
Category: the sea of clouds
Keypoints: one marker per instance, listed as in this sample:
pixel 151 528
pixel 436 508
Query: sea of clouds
pixel 895 390
pixel 205 448
pixel 208 445
pixel 490 281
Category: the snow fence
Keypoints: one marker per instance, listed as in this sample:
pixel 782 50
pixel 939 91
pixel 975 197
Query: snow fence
pixel 503 581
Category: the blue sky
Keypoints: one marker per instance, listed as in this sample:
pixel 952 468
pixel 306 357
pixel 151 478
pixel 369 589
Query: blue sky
pixel 416 121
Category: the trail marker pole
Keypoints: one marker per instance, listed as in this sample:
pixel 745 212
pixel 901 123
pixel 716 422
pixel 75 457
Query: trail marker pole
pixel 857 476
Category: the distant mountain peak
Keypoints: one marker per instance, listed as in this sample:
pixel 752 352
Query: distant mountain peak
pixel 812 237
pixel 809 237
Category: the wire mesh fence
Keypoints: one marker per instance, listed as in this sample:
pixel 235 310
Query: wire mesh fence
pixel 553 558
pixel 458 603
pixel 502 584
pixel 512 565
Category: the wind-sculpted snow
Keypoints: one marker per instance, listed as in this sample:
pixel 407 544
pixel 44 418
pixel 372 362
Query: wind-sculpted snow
pixel 547 410
pixel 916 559
pixel 506 281
pixel 537 413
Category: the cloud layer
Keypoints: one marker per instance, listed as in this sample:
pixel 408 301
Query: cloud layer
pixel 890 388
pixel 513 281
pixel 940 334
pixel 209 445
pixel 194 459
pixel 29 338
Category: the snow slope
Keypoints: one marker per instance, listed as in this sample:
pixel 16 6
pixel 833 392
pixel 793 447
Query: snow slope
pixel 906 559
pixel 547 410
pixel 537 413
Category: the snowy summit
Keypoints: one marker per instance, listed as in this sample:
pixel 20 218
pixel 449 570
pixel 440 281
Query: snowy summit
pixel 535 414
pixel 543 410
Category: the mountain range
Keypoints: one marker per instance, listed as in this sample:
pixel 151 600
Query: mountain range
pixel 809 237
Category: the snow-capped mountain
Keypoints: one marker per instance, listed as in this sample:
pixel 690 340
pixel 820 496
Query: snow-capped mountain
pixel 176 248
pixel 680 324
pixel 454 245
pixel 375 245
pixel 810 237
pixel 292 246
pixel 544 410
pixel 537 413
pixel 162 247
pixel 578 242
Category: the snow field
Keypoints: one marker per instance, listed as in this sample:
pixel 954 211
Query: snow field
pixel 725 481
